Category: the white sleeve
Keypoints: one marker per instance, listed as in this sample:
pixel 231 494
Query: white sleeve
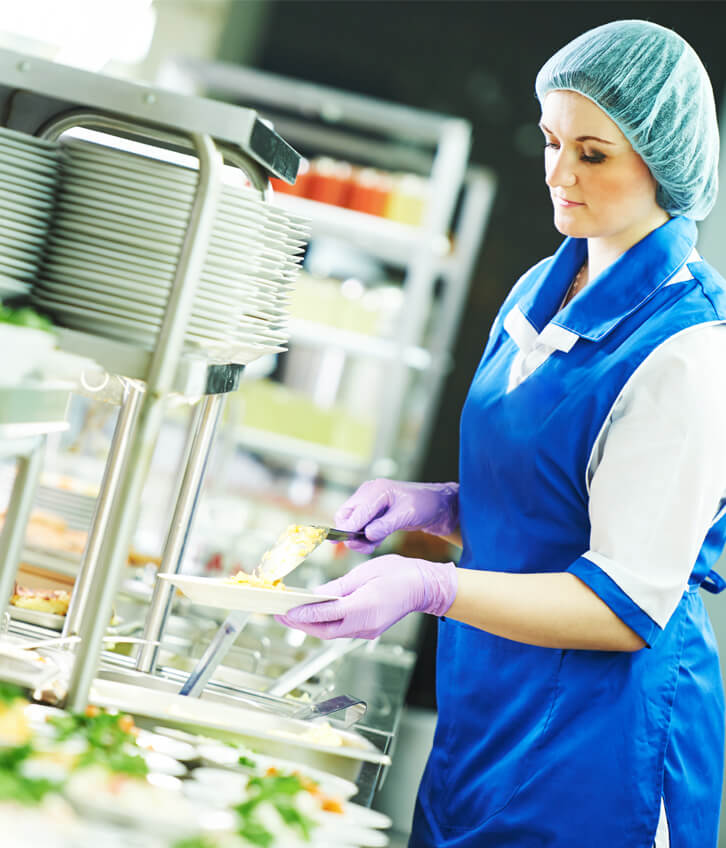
pixel 658 470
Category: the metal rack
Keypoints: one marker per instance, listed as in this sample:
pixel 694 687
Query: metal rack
pixel 44 99
pixel 28 414
pixel 444 248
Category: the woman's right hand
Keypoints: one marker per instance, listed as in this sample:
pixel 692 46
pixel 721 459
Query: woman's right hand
pixel 380 507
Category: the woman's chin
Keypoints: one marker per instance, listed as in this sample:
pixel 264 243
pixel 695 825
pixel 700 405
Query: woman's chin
pixel 569 227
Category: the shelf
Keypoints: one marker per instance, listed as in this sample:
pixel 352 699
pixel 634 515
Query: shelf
pixel 28 411
pixel 360 344
pixel 387 240
pixel 287 447
pixel 195 375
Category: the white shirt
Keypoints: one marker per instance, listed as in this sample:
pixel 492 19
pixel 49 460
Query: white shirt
pixel 657 472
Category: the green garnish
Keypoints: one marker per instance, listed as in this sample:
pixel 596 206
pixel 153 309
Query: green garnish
pixel 256 833
pixel 9 693
pixel 246 761
pixel 118 762
pixel 100 731
pixel 14 786
pixel 25 317
pixel 279 791
pixel 10 758
pixel 295 819
pixel 107 742
pixel 194 842
pixel 26 790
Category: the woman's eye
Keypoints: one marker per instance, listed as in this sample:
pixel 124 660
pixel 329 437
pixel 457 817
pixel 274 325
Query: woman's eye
pixel 594 159
pixel 551 145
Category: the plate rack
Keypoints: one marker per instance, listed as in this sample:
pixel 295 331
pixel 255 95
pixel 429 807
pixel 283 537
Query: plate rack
pixel 46 99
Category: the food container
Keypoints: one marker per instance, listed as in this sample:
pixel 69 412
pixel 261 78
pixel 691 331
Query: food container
pixel 260 731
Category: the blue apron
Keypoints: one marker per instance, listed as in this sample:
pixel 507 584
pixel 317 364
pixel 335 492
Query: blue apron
pixel 544 748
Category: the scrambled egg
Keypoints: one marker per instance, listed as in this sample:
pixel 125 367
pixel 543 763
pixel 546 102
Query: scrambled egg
pixel 295 543
pixel 256 580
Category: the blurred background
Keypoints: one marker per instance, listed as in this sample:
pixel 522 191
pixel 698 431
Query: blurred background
pixel 473 60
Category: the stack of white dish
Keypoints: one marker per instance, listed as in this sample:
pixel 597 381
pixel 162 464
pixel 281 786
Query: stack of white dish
pixel 117 233
pixel 28 177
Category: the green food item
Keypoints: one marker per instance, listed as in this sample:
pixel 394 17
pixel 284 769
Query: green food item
pixel 256 833
pixel 295 819
pixel 25 317
pixel 119 762
pixel 246 761
pixel 9 693
pixel 107 742
pixel 26 790
pixel 194 842
pixel 279 790
pixel 14 786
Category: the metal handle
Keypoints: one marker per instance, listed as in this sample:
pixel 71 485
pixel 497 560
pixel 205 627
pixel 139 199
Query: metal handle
pixel 215 653
pixel 316 662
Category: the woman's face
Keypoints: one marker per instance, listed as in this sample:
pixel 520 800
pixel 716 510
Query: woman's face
pixel 600 187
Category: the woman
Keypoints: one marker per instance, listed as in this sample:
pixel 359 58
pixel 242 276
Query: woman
pixel 579 693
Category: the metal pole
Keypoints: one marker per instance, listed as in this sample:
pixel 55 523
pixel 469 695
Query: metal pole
pixel 17 516
pixel 202 435
pixel 118 453
pixel 159 383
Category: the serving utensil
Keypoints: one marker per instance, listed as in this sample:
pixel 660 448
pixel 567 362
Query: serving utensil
pixel 291 549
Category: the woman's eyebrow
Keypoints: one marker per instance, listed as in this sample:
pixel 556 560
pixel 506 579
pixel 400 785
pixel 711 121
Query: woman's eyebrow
pixel 579 137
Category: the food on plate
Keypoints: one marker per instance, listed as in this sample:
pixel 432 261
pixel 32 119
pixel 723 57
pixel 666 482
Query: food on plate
pixel 25 317
pixel 41 600
pixel 258 581
pixel 291 548
pixel 51 532
pixel 274 808
pixel 320 734
pixel 14 726
pixel 328 803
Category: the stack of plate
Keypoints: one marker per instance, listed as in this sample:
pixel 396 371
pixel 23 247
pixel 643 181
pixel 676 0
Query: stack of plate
pixel 28 178
pixel 117 233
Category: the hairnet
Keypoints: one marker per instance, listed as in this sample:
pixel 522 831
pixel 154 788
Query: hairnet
pixel 652 84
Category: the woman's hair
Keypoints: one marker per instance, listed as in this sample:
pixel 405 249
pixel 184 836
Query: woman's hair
pixel 652 84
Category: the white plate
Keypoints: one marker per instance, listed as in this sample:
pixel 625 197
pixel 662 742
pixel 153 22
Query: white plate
pixel 10 286
pixel 25 213
pixel 106 325
pixel 226 756
pixel 10 224
pixel 120 310
pixel 15 138
pixel 215 592
pixel 209 297
pixel 22 186
pixel 26 169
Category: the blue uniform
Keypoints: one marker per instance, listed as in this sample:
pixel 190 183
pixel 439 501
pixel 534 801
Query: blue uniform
pixel 545 748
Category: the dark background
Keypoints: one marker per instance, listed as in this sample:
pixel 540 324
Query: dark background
pixel 476 60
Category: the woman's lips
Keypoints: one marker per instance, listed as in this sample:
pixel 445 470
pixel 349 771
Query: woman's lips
pixel 567 204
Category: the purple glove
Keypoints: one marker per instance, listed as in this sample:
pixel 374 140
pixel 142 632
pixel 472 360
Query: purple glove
pixel 375 595
pixel 380 507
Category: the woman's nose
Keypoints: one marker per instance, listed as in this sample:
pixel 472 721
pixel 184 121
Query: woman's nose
pixel 559 170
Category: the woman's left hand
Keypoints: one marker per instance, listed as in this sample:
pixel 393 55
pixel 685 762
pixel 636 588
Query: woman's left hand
pixel 374 596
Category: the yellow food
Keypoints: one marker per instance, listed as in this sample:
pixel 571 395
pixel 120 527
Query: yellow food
pixel 256 580
pixel 42 600
pixel 14 726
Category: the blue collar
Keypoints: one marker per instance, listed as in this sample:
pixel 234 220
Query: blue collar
pixel 615 293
